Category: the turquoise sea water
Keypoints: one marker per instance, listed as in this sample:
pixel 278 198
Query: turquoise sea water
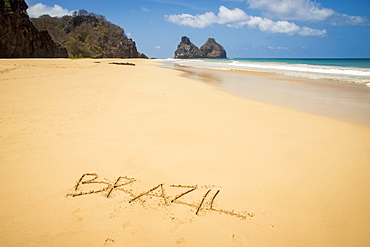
pixel 352 70
pixel 339 62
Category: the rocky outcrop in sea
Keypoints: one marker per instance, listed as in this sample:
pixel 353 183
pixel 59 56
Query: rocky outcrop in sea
pixel 211 49
pixel 186 49
pixel 20 38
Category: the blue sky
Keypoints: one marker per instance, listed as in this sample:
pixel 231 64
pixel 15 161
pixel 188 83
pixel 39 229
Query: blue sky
pixel 246 28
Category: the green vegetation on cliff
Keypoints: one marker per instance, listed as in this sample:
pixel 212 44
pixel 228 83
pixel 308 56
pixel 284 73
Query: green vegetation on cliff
pixel 88 35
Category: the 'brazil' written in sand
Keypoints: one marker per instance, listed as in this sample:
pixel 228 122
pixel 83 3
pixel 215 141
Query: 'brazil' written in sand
pixel 89 184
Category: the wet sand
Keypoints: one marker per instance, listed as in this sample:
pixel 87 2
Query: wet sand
pixel 337 100
pixel 97 154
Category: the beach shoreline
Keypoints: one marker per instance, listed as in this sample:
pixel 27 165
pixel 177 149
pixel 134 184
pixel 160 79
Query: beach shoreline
pixel 329 98
pixel 99 154
pixel 350 71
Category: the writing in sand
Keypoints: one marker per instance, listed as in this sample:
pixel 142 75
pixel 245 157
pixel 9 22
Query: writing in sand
pixel 180 194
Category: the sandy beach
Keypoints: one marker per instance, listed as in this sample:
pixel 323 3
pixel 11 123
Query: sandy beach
pixel 97 154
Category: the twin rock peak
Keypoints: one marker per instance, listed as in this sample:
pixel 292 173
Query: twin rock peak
pixel 211 49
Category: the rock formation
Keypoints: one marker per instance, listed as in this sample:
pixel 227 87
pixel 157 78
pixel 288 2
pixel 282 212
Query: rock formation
pixel 20 38
pixel 186 49
pixel 211 49
pixel 125 48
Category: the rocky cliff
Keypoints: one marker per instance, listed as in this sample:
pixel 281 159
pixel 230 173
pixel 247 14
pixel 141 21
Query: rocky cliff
pixel 186 49
pixel 89 35
pixel 20 38
pixel 211 49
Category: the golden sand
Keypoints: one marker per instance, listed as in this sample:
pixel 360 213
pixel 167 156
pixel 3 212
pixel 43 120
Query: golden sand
pixel 95 154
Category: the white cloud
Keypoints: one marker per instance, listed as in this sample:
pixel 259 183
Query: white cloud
pixel 237 18
pixel 157 47
pixel 307 31
pixel 41 9
pixel 145 9
pixel 343 19
pixel 292 9
pixel 269 26
pixel 197 21
pixel 226 15
pixel 303 10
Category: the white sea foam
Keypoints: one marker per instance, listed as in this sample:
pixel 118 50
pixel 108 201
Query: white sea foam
pixel 339 73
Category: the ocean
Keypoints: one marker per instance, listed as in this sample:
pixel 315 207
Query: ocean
pixel 350 70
